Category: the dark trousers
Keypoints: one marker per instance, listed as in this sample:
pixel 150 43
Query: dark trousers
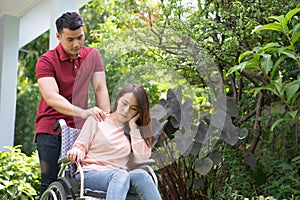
pixel 48 147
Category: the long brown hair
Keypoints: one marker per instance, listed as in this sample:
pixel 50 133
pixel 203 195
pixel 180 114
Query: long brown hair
pixel 144 121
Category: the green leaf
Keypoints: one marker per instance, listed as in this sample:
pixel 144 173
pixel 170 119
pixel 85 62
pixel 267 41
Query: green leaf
pixel 239 67
pixel 277 63
pixel 295 37
pixel 278 85
pixel 291 89
pixel 272 26
pixel 253 63
pixel 278 18
pixel 271 46
pixel 296 160
pixel 257 90
pixel 276 123
pixel 293 114
pixel 243 55
pixel 295 97
pixel 269 87
pixel 289 15
pixel 21 171
pixel 267 63
pixel 289 54
pixel 295 33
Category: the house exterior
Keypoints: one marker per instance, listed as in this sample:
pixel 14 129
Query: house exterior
pixel 21 21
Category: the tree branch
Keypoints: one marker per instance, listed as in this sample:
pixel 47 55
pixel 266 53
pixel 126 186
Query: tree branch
pixel 256 128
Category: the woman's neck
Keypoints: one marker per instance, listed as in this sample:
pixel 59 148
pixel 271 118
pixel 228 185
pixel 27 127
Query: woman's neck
pixel 114 118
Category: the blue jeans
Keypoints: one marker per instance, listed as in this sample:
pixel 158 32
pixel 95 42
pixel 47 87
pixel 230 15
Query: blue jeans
pixel 144 185
pixel 115 182
pixel 48 147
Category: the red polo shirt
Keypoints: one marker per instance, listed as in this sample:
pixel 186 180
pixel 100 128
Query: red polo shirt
pixel 73 77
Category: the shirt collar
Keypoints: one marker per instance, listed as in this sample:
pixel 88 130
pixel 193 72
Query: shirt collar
pixel 63 56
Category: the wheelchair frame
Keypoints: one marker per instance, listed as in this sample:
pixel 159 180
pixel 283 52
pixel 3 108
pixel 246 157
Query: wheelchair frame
pixel 67 187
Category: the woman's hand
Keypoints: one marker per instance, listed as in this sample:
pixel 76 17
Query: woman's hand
pixel 75 154
pixel 132 122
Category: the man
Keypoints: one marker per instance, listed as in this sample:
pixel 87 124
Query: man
pixel 64 75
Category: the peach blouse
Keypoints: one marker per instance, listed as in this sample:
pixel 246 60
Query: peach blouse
pixel 107 147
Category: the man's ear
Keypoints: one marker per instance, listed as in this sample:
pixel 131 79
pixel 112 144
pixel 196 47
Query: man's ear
pixel 58 35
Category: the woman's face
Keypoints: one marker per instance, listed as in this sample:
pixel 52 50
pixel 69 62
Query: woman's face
pixel 127 108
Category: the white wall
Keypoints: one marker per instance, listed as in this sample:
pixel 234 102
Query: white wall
pixel 9 34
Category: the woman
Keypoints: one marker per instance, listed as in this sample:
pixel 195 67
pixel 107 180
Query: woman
pixel 104 148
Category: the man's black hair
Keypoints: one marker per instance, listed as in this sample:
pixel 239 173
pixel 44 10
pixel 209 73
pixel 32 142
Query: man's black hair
pixel 69 20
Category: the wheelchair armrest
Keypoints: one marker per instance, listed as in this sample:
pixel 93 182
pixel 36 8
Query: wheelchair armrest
pixel 145 162
pixel 64 161
pixel 60 123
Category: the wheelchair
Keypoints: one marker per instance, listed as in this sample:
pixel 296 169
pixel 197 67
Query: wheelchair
pixel 66 186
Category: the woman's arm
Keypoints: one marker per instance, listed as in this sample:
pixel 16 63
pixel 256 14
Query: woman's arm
pixel 141 151
pixel 82 143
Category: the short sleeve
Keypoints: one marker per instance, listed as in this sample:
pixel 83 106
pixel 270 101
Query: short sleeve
pixel 44 68
pixel 94 59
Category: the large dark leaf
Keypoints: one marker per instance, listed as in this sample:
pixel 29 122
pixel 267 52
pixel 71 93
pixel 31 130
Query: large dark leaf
pixel 227 104
pixel 163 103
pixel 216 157
pixel 230 134
pixel 159 112
pixel 175 112
pixel 174 103
pixel 249 159
pixel 223 122
pixel 187 113
pixel 208 143
pixel 157 127
pixel 203 166
pixel 184 142
pixel 196 148
pixel 171 94
pixel 243 133
pixel 170 130
pixel 220 119
pixel 201 132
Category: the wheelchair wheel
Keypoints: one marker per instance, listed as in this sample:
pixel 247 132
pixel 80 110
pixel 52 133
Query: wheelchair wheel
pixel 55 191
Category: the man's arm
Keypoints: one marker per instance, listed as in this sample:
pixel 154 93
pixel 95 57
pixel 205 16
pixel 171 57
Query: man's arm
pixel 50 92
pixel 101 92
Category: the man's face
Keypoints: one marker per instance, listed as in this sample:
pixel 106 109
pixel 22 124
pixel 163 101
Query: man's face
pixel 71 41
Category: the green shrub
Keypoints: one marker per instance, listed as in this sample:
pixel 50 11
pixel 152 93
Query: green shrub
pixel 19 174
pixel 284 178
pixel 27 103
